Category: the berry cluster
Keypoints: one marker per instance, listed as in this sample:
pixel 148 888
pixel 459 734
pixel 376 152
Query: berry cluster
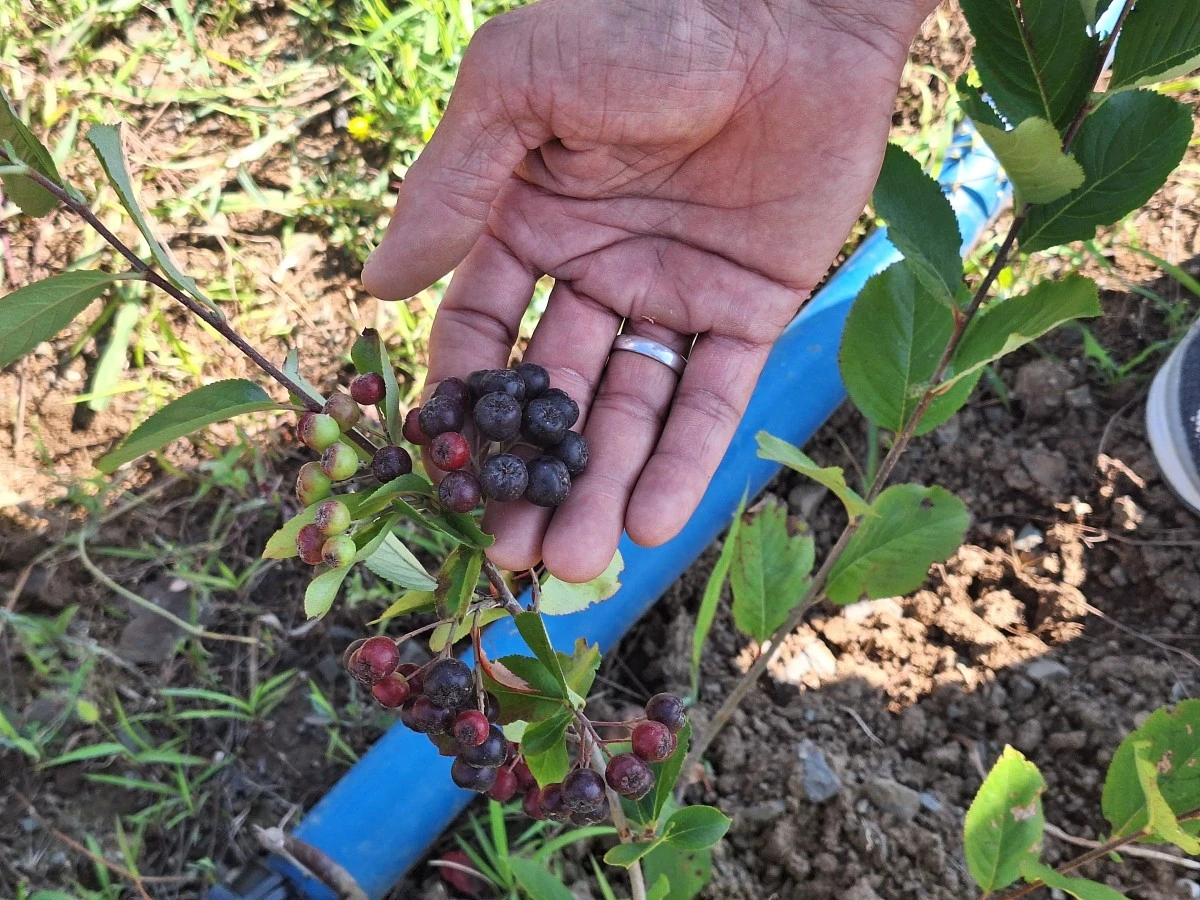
pixel 508 409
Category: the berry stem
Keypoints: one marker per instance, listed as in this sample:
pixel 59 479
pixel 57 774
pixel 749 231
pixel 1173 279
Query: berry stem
pixel 637 883
pixel 424 628
pixel 497 581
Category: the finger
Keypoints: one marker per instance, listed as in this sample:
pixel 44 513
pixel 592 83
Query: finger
pixel 712 396
pixel 622 430
pixel 447 194
pixel 571 341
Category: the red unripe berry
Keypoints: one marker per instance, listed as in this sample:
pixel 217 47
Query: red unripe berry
pixel 332 517
pixel 343 410
pixel 449 451
pixel 368 389
pixel 471 778
pixel 531 803
pixel 414 675
pixel 391 692
pixel 463 883
pixel 339 551
pixel 505 787
pixel 412 427
pixel 312 485
pixel 471 728
pixel 309 541
pixel 525 779
pixel 318 431
pixel 653 741
pixel 375 660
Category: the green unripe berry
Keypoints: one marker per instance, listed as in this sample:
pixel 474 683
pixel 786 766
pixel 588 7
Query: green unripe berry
pixel 343 410
pixel 338 552
pixel 333 517
pixel 339 462
pixel 312 485
pixel 318 431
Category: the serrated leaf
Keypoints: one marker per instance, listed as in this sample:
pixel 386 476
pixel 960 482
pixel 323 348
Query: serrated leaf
pixel 1034 161
pixel 38 311
pixel 369 538
pixel 106 142
pixel 687 873
pixel 911 528
pixel 1035 58
pixel 536 881
pixel 832 477
pixel 1083 888
pixel 410 601
pixel 456 581
pixel 369 354
pixel 1163 824
pixel 196 409
pixel 770 571
pixel 895 335
pixel 559 598
pixel 1127 148
pixel 696 827
pixel 971 99
pixel 625 855
pixel 1005 822
pixel 33 199
pixel 545 748
pixel 712 595
pixel 1174 739
pixel 581 667
pixel 384 496
pixel 920 222
pixel 1008 324
pixel 440 636
pixel 647 810
pixel 538 696
pixel 1159 41
pixel 533 630
pixel 323 590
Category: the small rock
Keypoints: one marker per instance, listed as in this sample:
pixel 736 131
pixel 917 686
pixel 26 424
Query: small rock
pixel 1021 688
pixel 804 499
pixel 1046 671
pixel 823 662
pixel 1040 385
pixel 947 435
pixel 1028 539
pixel 818 781
pixel 762 813
pixel 869 609
pixel 1067 740
pixel 861 890
pixel 930 802
pixel 1049 469
pixel 1079 398
pixel 894 798
pixel 1028 736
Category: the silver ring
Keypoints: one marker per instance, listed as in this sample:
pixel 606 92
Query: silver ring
pixel 652 349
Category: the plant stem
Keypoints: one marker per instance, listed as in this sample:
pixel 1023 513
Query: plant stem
pixel 637 883
pixel 497 581
pixel 1095 853
pixel 214 321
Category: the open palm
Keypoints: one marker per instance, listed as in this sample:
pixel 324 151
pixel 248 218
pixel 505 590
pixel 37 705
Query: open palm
pixel 690 167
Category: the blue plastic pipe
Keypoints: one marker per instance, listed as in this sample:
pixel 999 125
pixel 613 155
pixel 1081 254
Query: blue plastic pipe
pixel 385 812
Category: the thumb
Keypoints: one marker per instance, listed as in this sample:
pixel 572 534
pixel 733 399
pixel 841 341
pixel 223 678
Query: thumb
pixel 444 201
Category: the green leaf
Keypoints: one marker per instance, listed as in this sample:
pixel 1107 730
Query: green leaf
pixel 457 580
pixel 977 109
pixel 1160 41
pixel 382 497
pixel 537 881
pixel 1084 888
pixel 441 635
pixel 533 630
pixel 625 855
pixel 660 889
pixel 38 311
pixel 895 335
pixel 33 199
pixel 832 477
pixel 196 409
pixel 106 141
pixel 107 374
pixel 82 754
pixel 712 596
pixel 370 355
pixel 464 527
pixel 1005 325
pixel 696 827
pixel 687 873
pixel 394 562
pixel 911 528
pixel 647 810
pixel 920 222
pixel 1127 149
pixel 1033 159
pixel 410 601
pixel 1035 58
pixel 770 571
pixel 322 590
pixel 560 598
pixel 543 697
pixel 1163 825
pixel 581 667
pixel 545 748
pixel 291 368
pixel 1174 738
pixel 1005 822
pixel 369 538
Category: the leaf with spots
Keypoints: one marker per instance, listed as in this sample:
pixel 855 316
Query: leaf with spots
pixel 1004 824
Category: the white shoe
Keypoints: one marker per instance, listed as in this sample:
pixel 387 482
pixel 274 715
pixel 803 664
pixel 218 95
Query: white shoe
pixel 1173 419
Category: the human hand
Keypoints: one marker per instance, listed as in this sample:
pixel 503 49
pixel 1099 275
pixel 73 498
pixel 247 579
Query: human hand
pixel 692 166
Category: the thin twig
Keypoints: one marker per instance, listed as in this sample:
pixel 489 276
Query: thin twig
pixel 1143 852
pixel 312 860
pixel 496 579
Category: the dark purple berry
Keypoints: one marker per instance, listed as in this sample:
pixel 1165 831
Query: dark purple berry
pixel 430 718
pixel 475 383
pixel 343 410
pixel 549 481
pixel 531 803
pixel 408 716
pixel 368 389
pixel 309 541
pixel 498 416
pixel 390 462
pixel 412 427
pixel 536 379
pixel 568 407
pixel 473 778
pixel 439 415
pixel 449 451
pixel 504 380
pixel 629 776
pixel 454 388
pixel 505 787
pixel 667 709
pixel 471 728
pixel 550 799
pixel 448 683
pixel 543 423
pixel 492 752
pixel 573 451
pixel 392 692
pixel 583 791
pixel 460 491
pixel 503 477
pixel 593 817
pixel 653 741
pixel 374 660
pixel 491 707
